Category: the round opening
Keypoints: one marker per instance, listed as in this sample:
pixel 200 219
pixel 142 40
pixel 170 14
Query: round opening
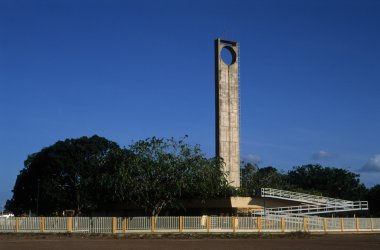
pixel 228 55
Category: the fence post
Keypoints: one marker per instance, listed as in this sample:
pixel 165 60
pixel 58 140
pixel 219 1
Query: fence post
pixel 341 224
pixel 208 223
pixel 114 224
pixel 181 224
pixel 283 224
pixel 325 225
pixel 259 224
pixel 17 226
pixel 371 224
pixel 305 224
pixel 357 224
pixel 70 224
pixel 124 225
pixel 42 224
pixel 152 223
pixel 233 224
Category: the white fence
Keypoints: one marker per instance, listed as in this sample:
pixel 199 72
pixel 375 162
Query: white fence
pixel 186 224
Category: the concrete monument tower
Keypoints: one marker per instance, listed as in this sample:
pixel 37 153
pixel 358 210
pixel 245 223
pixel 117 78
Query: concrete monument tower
pixel 227 108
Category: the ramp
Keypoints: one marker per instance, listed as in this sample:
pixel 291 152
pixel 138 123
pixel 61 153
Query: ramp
pixel 314 204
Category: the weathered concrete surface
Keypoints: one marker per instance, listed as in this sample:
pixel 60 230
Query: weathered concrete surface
pixel 227 109
pixel 240 202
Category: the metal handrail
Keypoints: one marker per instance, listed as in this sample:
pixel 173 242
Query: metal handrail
pixel 302 197
pixel 314 209
pixel 317 204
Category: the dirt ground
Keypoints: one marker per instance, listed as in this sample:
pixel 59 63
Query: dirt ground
pixel 343 242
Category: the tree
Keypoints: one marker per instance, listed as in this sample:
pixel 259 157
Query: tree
pixel 88 174
pixel 161 173
pixel 271 177
pixel 328 181
pixel 249 179
pixel 118 181
pixel 63 176
pixel 374 200
pixel 255 178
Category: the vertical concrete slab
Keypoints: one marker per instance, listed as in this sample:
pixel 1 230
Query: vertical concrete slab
pixel 227 108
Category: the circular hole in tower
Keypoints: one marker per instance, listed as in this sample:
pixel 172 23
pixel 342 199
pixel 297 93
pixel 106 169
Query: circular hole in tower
pixel 228 55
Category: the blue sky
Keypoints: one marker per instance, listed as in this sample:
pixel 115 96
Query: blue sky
pixel 127 70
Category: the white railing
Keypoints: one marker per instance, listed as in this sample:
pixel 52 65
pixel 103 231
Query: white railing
pixel 92 224
pixel 334 224
pixel 55 225
pixel 138 223
pixel 7 224
pixel 30 224
pixel 248 224
pixel 301 197
pixel 321 209
pixel 187 224
pixel 318 204
pixel 195 223
pixel 167 224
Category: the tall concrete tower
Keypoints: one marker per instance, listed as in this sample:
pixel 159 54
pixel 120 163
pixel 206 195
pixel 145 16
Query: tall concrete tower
pixel 227 107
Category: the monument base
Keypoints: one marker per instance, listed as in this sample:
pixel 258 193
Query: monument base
pixel 233 205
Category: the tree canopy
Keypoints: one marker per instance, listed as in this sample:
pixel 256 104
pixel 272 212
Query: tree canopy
pixel 313 179
pixel 87 173
pixel 373 197
pixel 63 176
pixel 254 178
pixel 160 173
pixel 328 181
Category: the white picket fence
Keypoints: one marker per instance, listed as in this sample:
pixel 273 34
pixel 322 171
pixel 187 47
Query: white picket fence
pixel 187 224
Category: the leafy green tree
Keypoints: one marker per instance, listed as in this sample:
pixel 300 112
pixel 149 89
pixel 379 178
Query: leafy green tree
pixel 271 177
pixel 118 181
pixel 249 179
pixel 328 181
pixel 63 176
pixel 255 178
pixel 374 200
pixel 88 174
pixel 161 173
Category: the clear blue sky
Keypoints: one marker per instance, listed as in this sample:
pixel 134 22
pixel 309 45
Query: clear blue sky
pixel 127 70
